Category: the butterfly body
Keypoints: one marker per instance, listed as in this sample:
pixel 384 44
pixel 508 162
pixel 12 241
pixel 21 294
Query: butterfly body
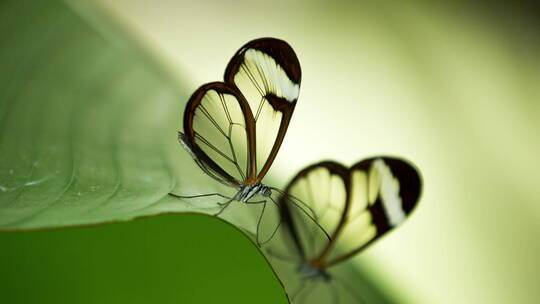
pixel 233 129
pixel 249 191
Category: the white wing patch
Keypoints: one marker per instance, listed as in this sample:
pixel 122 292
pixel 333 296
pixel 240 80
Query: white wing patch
pixel 270 75
pixel 258 76
pixel 389 192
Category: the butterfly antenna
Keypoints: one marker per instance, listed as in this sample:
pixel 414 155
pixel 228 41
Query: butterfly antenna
pixel 311 216
pixel 297 199
pixel 315 221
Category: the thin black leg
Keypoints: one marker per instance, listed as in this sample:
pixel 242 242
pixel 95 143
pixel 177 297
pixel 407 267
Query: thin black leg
pixel 199 195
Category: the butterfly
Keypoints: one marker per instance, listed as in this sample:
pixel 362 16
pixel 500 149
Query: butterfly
pixel 234 129
pixel 331 213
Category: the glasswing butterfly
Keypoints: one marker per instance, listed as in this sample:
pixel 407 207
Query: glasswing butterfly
pixel 234 129
pixel 339 212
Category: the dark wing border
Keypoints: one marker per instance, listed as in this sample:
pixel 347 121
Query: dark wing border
pixel 334 168
pixel 201 156
pixel 285 56
pixel 278 49
pixel 409 191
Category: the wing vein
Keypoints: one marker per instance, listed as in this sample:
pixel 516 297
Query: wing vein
pixel 225 108
pixel 252 79
pixel 310 193
pixel 206 142
pixel 234 152
pixel 261 103
pixel 212 120
pixel 261 74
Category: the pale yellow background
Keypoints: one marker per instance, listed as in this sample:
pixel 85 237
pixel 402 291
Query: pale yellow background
pixel 454 90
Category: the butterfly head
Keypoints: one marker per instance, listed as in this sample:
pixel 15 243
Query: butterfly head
pixel 265 191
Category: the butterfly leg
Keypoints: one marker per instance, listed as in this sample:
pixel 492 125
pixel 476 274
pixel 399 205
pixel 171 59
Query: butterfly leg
pixel 259 221
pixel 256 202
pixel 223 206
pixel 207 195
pixel 199 195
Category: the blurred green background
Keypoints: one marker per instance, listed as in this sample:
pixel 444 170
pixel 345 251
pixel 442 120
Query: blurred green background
pixel 451 87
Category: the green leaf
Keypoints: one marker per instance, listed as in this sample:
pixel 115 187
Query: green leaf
pixel 88 124
pixel 165 259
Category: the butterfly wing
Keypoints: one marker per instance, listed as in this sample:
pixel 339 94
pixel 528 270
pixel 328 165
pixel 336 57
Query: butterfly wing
pixel 354 206
pixel 383 192
pixel 335 291
pixel 219 133
pixel 267 73
pixel 313 206
pixel 234 129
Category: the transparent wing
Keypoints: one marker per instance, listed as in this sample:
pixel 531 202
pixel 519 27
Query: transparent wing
pixel 342 285
pixel 218 133
pixel 267 73
pixel 383 192
pixel 321 192
pixel 333 291
pixel 354 206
